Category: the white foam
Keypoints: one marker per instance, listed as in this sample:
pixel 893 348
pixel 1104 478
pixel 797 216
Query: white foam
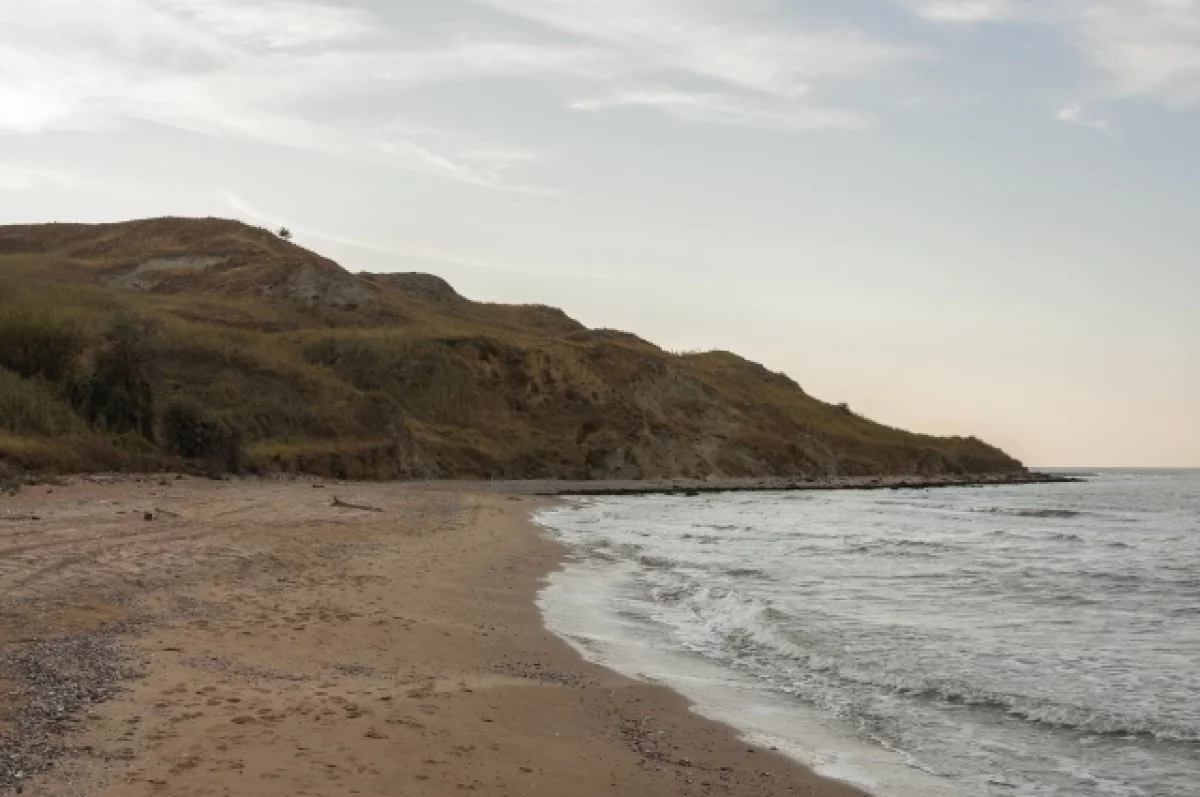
pixel 582 603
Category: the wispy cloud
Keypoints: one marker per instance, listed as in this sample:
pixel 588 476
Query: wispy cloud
pixel 268 70
pixel 964 10
pixel 711 40
pixel 759 73
pixel 252 70
pixel 411 252
pixel 1077 115
pixel 728 109
pixel 263 70
pixel 282 24
pixel 1151 48
pixel 456 156
pixel 1140 48
pixel 502 159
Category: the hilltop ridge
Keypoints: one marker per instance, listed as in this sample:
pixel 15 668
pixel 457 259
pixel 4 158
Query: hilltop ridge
pixel 143 343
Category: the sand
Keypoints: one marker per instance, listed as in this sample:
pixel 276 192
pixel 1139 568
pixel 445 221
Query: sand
pixel 252 639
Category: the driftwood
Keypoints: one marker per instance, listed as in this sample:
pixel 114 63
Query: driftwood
pixel 343 505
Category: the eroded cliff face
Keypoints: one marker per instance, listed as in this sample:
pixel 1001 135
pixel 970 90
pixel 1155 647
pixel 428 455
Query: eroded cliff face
pixel 601 410
pixel 303 366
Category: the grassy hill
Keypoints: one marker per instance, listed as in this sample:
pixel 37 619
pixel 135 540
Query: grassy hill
pixel 138 345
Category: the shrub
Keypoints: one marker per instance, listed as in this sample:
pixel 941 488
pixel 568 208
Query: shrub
pixel 30 407
pixel 39 344
pixel 117 395
pixel 193 434
pixel 366 364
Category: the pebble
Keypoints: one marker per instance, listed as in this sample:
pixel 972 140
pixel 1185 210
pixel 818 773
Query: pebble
pixel 59 679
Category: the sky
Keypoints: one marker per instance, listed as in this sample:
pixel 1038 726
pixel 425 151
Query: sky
pixel 958 216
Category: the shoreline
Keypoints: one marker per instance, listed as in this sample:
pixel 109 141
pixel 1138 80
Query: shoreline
pixel 694 487
pixel 286 646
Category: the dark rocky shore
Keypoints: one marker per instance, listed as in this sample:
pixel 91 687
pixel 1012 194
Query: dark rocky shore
pixel 691 487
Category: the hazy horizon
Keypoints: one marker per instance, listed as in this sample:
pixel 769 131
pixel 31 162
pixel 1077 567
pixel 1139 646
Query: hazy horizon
pixel 968 217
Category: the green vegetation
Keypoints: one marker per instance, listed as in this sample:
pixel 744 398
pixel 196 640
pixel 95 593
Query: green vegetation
pixel 157 343
pixel 194 434
pixel 32 408
pixel 39 344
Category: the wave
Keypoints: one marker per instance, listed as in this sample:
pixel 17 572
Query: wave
pixel 746 572
pixel 903 547
pixel 608 551
pixel 1033 513
pixel 751 630
pixel 1080 719
pixel 1064 598
pixel 1034 536
pixel 918 544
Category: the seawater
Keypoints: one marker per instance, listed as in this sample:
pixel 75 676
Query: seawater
pixel 1035 640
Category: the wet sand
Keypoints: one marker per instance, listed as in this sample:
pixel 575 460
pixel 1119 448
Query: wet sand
pixel 253 639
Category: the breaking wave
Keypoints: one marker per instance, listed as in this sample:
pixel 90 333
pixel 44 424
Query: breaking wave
pixel 1034 513
pixel 751 628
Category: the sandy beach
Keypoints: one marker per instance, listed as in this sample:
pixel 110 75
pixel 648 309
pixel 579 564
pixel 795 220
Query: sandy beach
pixel 186 637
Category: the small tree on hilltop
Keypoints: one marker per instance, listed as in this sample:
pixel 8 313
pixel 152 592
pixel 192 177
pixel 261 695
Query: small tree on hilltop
pixel 285 233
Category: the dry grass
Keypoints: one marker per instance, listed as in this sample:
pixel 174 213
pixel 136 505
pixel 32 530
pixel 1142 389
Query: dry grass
pixel 411 380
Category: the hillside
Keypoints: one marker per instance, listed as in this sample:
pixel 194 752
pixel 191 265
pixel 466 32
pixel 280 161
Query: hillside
pixel 141 344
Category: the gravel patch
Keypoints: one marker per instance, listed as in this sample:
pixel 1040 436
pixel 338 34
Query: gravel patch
pixel 56 681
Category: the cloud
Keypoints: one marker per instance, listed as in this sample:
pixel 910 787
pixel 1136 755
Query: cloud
pixel 729 109
pixel 1140 48
pixel 964 10
pixel 249 70
pixel 1076 115
pixel 281 25
pixel 1150 48
pixel 501 159
pixel 715 65
pixel 455 155
pixel 692 37
pixel 267 70
pixel 425 254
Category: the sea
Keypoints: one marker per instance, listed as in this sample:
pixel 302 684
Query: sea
pixel 1006 641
